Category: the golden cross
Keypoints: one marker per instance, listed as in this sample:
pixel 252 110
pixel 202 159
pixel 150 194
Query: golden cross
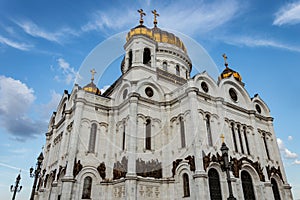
pixel 93 72
pixel 222 137
pixel 155 15
pixel 141 16
pixel 225 60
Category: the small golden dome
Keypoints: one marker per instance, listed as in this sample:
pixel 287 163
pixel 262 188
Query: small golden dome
pixel 229 72
pixel 91 87
pixel 157 35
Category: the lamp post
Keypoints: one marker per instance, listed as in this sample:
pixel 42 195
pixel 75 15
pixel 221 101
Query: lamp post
pixel 226 167
pixel 36 174
pixel 16 188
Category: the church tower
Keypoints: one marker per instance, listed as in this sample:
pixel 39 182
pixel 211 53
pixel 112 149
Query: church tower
pixel 155 133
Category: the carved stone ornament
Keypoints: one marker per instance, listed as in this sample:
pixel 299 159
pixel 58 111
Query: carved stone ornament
pixel 237 166
pixel 207 159
pixel 77 168
pixel 273 170
pixel 175 165
pixel 191 162
pixel 101 169
pixel 152 168
pixel 120 169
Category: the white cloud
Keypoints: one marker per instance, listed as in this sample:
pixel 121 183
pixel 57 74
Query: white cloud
pixel 286 152
pixel 34 30
pixel 289 14
pixel 297 162
pixel 179 15
pixel 16 98
pixel 104 88
pixel 14 44
pixel 258 42
pixel 68 73
pixel 201 17
pixel 290 138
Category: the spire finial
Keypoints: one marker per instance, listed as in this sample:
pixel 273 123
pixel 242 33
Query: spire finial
pixel 93 72
pixel 222 137
pixel 141 16
pixel 155 15
pixel 225 60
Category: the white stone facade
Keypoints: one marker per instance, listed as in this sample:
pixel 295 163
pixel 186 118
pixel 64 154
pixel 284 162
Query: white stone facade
pixel 166 127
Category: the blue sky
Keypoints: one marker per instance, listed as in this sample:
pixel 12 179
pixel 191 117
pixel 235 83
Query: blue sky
pixel 43 44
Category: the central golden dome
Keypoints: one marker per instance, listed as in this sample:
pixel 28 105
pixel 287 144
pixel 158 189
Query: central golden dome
pixel 157 35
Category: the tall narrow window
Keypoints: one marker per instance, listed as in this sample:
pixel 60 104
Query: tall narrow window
pixel 266 145
pixel 247 186
pixel 233 137
pixel 87 188
pixel 124 133
pixel 146 56
pixel 130 59
pixel 186 185
pixel 92 138
pixel 182 132
pixel 148 134
pixel 165 66
pixel 275 189
pixel 214 185
pixel 177 70
pixel 240 137
pixel 208 129
pixel 246 140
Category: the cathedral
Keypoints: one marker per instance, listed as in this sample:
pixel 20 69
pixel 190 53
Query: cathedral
pixel 157 133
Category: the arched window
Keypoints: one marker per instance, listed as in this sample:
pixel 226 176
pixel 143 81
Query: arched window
pixel 275 189
pixel 130 59
pixel 87 188
pixel 247 186
pixel 186 185
pixel 165 64
pixel 177 70
pixel 246 140
pixel 266 145
pixel 92 138
pixel 208 129
pixel 214 185
pixel 124 134
pixel 182 132
pixel 146 56
pixel 148 134
pixel 240 137
pixel 233 137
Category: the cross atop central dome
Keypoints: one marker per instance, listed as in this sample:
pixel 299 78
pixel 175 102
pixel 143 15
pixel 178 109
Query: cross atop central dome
pixel 155 33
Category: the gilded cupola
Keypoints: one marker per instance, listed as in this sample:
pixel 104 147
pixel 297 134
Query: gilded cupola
pixel 91 87
pixel 227 73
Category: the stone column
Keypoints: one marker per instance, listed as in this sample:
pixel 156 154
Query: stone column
pixel 68 180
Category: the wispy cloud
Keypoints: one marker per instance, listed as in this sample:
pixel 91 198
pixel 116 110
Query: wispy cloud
pixel 35 31
pixel 14 44
pixel 15 100
pixel 258 42
pixel 48 108
pixel 179 15
pixel 288 14
pixel 286 152
pixel 67 73
pixel 201 17
pixel 297 162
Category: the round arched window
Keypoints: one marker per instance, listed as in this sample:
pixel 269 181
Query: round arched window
pixel 125 92
pixel 149 91
pixel 258 109
pixel 204 87
pixel 233 94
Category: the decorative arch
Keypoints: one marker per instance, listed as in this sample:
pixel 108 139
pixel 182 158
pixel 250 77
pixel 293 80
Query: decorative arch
pixel 212 86
pixel 158 90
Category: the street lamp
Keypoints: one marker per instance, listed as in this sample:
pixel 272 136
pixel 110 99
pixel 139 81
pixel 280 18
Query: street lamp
pixel 226 165
pixel 16 188
pixel 36 174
